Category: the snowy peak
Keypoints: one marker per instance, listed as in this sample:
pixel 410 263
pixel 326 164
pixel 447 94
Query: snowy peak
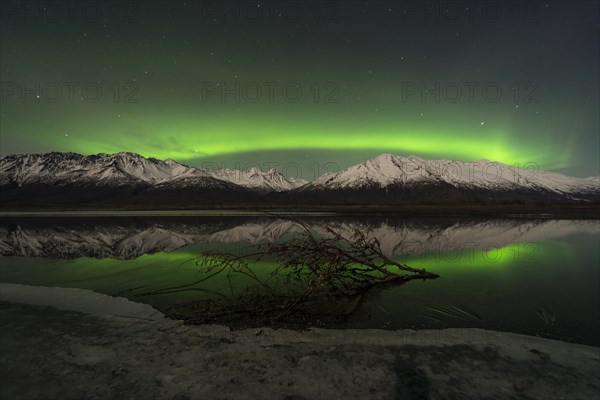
pixel 130 168
pixel 148 170
pixel 119 168
pixel 255 178
pixel 381 171
pixel 387 170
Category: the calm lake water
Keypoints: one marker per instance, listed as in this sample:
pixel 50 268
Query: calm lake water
pixel 534 276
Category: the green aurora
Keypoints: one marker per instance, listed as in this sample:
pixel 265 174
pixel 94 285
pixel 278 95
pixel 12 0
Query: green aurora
pixel 368 86
pixel 197 139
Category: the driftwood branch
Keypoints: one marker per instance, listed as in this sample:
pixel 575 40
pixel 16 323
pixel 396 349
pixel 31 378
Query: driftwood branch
pixel 312 274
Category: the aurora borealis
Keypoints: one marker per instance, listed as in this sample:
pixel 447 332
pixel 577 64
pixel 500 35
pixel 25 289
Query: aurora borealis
pixel 313 83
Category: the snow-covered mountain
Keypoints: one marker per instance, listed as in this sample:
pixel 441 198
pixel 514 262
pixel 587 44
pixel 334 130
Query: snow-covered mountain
pixel 120 168
pixel 414 178
pixel 127 169
pixel 271 180
pixel 130 179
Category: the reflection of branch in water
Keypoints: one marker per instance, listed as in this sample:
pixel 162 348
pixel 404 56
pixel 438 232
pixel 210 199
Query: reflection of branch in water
pixel 444 310
pixel 545 315
pixel 183 288
pixel 313 277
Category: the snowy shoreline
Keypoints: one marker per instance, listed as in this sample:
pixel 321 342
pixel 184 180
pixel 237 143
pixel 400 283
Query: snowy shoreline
pixel 107 347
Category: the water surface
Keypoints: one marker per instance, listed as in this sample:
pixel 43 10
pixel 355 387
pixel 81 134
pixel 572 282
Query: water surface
pixel 526 275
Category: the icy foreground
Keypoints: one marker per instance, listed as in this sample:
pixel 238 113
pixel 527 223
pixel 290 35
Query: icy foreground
pixel 83 353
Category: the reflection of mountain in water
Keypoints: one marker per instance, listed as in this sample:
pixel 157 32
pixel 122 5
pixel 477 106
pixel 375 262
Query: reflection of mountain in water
pixel 130 239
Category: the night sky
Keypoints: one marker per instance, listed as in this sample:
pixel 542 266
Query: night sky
pixel 319 85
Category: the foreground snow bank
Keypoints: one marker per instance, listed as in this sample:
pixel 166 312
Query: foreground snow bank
pixel 79 349
pixel 80 300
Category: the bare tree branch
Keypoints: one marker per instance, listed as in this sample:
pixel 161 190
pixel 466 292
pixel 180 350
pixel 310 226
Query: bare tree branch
pixel 311 274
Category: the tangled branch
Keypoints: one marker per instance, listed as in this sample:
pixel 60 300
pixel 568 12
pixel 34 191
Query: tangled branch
pixel 312 274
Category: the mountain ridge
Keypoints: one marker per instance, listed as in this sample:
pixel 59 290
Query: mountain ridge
pixel 126 167
pixel 385 179
pixel 388 169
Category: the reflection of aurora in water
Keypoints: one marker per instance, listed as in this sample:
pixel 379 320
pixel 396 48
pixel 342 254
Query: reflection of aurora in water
pixel 175 248
pixel 482 258
pixel 550 263
pixel 129 239
pixel 155 271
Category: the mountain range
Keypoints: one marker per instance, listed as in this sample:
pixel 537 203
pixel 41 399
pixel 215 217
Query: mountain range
pixel 129 179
